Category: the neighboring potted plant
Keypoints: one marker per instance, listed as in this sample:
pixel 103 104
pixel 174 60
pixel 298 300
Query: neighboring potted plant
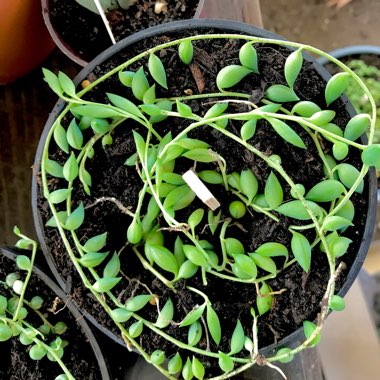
pixel 209 189
pixel 24 39
pixel 78 29
pixel 42 334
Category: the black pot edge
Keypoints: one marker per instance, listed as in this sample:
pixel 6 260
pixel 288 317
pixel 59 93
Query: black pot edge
pixel 351 50
pixel 100 358
pixel 66 48
pixel 228 26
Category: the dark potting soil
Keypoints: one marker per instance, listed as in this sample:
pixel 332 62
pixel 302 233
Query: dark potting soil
pixel 15 362
pixel 303 291
pixel 84 32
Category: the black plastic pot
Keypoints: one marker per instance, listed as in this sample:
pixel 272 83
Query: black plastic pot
pixel 90 338
pixel 350 51
pixel 65 47
pixel 222 27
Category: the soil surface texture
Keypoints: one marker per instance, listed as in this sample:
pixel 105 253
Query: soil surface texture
pixel 84 32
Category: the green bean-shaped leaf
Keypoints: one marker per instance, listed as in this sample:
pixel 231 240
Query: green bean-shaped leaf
pixel 96 110
pixel 244 267
pixel 209 176
pixel 334 223
pixel 216 110
pixel 67 84
pixel 339 246
pixel 135 232
pixel 112 268
pixel 301 250
pixel 337 303
pixel 325 191
pixel 92 259
pixel 248 57
pixel 336 86
pixel 340 150
pixel 59 196
pixel 356 127
pixel 322 117
pixel 283 351
pixel 226 364
pixel 286 132
pixel 151 110
pixel 308 329
pixel 60 137
pixel 200 155
pixel 74 135
pixel 166 315
pixel 23 262
pixel 157 70
pixel 273 191
pixel 163 105
pixel 213 324
pixel 187 372
pixel 183 109
pixel 140 144
pixel 234 247
pixel 175 364
pixel 281 94
pixel 293 65
pixel 190 144
pixel 121 315
pixel 195 334
pixel 198 369
pixel 264 300
pixel 371 156
pixel 248 184
pixel 193 316
pixel 136 329
pixel 54 168
pixel 248 129
pixel 347 211
pixel 231 75
pixel 140 84
pixel 185 52
pixel 296 209
pixel 263 262
pixel 173 178
pixel 71 169
pixel 348 174
pixel 105 284
pixel 173 152
pixel 75 219
pixel 179 198
pixel 187 269
pixel 150 95
pixel 52 80
pixel 195 255
pixel 164 258
pixel 237 340
pixel 195 218
pixel 157 357
pixel 305 108
pixel 125 105
pixel 138 302
pixel 95 243
pixel 126 77
pixel 61 215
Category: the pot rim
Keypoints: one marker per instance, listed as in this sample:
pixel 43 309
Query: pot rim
pixel 65 47
pixel 226 26
pixel 101 360
pixel 350 50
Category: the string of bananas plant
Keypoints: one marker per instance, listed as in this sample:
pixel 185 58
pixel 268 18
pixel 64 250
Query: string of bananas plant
pixel 324 211
pixel 15 312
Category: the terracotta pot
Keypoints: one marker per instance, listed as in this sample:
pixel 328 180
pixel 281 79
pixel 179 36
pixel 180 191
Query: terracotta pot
pixel 24 39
